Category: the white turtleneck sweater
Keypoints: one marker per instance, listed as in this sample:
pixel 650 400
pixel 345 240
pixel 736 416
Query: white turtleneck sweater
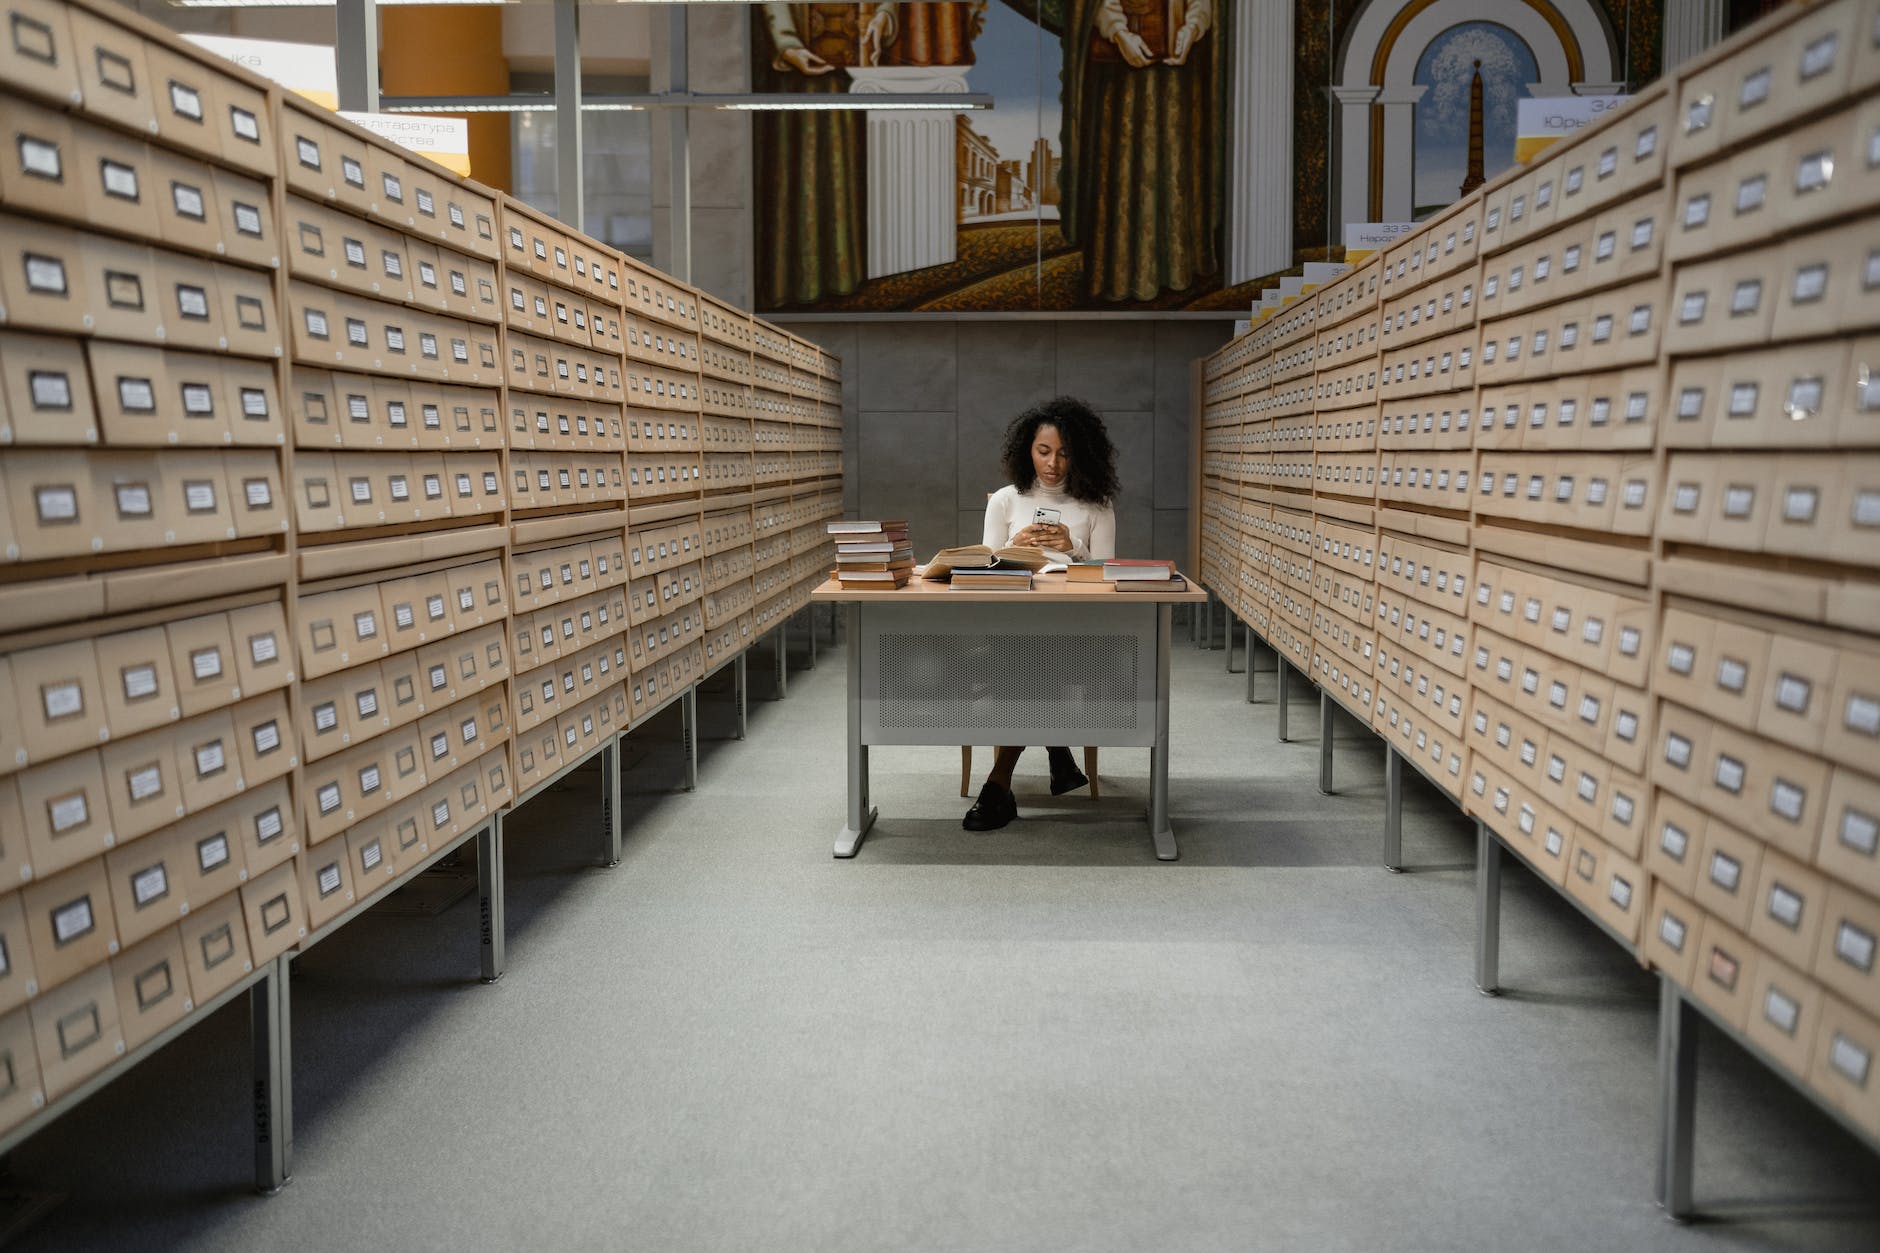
pixel 1092 527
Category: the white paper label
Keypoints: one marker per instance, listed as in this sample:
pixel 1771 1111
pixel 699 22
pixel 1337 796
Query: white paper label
pixel 146 783
pixel 1854 946
pixel 1781 1012
pixel 1860 832
pixel 365 625
pixel 209 759
pixel 329 879
pixel 1677 750
pixel 325 716
pixel 1671 931
pixel 1729 774
pixel 45 274
pixel 1785 906
pixel 72 921
pixel 68 812
pixel 1674 841
pixel 1850 1059
pixel 149 885
pixel 1725 871
pixel 212 853
pixel 369 780
pixel 328 797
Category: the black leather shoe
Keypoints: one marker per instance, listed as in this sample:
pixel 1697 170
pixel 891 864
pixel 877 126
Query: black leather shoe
pixel 995 807
pixel 1065 776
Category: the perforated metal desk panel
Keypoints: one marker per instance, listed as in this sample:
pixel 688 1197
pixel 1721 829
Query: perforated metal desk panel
pixel 1066 663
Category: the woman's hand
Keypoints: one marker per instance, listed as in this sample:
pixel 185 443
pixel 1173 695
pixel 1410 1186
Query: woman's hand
pixel 1052 535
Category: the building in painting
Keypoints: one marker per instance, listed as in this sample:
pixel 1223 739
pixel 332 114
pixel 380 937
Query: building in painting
pixel 977 163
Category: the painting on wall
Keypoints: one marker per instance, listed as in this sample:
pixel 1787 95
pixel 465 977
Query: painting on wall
pixel 1382 95
pixel 1097 181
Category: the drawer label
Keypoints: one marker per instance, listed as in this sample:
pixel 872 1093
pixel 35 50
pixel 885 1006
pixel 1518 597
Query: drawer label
pixel 1780 1011
pixel 1854 946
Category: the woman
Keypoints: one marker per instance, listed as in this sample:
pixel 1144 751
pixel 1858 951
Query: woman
pixel 1063 471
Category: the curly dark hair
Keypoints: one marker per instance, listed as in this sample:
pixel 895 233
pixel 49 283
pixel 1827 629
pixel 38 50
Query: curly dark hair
pixel 1092 476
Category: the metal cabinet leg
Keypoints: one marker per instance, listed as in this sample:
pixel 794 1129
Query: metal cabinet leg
pixel 1393 810
pixel 741 686
pixel 1487 911
pixel 1230 643
pixel 612 819
pixel 1326 717
pixel 270 1035
pixel 1677 1094
pixel 688 723
pixel 783 659
pixel 1284 671
pixel 490 885
pixel 1250 665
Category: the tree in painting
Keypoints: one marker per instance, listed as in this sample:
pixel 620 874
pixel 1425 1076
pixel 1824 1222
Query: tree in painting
pixel 1448 68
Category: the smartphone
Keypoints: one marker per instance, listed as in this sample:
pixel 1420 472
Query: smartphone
pixel 1042 514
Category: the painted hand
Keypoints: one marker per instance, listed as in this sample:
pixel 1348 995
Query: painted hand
pixel 1184 44
pixel 880 31
pixel 1134 50
pixel 803 61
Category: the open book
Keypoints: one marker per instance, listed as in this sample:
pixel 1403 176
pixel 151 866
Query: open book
pixel 979 557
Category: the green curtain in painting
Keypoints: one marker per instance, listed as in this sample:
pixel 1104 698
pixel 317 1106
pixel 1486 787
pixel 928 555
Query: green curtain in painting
pixel 1143 185
pixel 812 185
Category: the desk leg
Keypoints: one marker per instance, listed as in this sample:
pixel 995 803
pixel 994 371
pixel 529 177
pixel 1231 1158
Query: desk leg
pixel 1159 829
pixel 783 659
pixel 688 724
pixel 860 816
pixel 1393 810
pixel 809 621
pixel 1326 718
pixel 741 686
pixel 1677 1094
pixel 1284 673
pixel 1487 911
pixel 832 626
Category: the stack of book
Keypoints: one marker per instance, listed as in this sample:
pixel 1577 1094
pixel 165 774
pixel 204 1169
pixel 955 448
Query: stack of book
pixel 1132 575
pixel 991 579
pixel 872 555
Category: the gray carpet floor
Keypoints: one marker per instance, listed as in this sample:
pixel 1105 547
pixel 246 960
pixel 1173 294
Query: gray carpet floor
pixel 1039 1039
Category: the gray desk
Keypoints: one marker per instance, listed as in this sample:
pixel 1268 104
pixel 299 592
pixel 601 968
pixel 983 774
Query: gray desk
pixel 1065 663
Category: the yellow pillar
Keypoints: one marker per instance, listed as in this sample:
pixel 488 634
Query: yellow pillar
pixel 452 50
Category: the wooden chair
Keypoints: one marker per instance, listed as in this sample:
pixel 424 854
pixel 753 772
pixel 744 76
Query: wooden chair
pixel 966 769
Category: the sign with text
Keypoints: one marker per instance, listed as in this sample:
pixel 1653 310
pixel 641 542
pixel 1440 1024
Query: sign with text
pixel 1549 119
pixel 446 140
pixel 1364 238
pixel 303 68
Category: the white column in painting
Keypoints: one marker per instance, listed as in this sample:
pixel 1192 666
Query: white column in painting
pixel 1400 145
pixel 1354 157
pixel 1260 189
pixel 1692 26
pixel 912 180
